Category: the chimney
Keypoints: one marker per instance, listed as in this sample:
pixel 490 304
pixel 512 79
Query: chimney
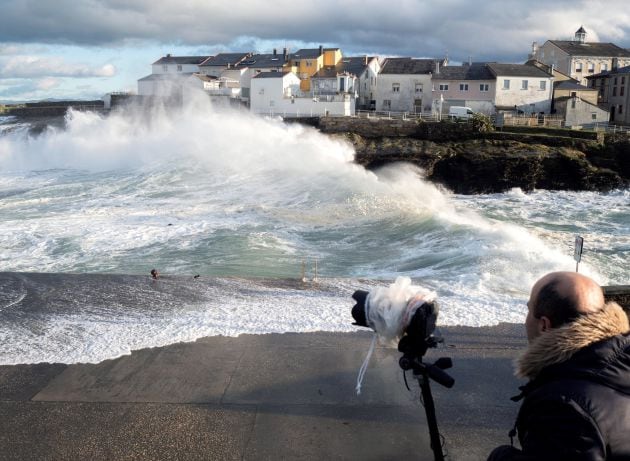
pixel 321 49
pixel 366 60
pixel 470 60
pixel 615 64
pixel 168 55
pixel 285 53
pixel 275 52
pixel 437 67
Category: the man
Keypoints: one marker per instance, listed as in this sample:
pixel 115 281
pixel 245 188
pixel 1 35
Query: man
pixel 577 402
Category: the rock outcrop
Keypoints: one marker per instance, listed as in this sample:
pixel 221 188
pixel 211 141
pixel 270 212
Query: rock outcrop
pixel 470 162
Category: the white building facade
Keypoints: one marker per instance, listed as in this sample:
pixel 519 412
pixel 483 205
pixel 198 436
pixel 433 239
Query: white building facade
pixel 469 85
pixel 404 85
pixel 276 93
pixel 579 58
pixel 522 88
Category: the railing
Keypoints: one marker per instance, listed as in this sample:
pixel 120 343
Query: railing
pixel 392 115
pixel 550 121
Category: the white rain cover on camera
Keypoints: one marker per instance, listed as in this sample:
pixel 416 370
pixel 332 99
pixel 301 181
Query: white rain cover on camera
pixel 388 310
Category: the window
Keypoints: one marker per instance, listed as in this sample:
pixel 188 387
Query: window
pixel 614 91
pixel 463 87
pixel 593 116
pixel 506 84
pixel 483 87
pixel 543 85
pixel 573 101
pixel 604 67
pixel 620 111
pixel 418 87
pixel 387 104
pixel 524 84
pixel 164 68
pixel 615 81
pixel 309 63
pixel 621 90
pixel 443 86
pixel 578 67
pixel 179 67
pixel 271 103
pixel 590 67
pixel 623 80
pixel 395 87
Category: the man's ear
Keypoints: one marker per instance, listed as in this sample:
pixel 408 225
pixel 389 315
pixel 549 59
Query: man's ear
pixel 544 324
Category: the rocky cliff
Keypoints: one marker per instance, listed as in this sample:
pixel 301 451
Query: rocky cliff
pixel 469 162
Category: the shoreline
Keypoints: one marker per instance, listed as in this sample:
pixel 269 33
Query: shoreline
pixel 463 159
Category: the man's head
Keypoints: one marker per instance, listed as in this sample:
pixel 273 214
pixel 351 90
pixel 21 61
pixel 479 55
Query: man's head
pixel 559 298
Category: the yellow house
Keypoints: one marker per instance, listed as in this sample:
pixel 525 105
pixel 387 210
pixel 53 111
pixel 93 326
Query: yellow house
pixel 307 62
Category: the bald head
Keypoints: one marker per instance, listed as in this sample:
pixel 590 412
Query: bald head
pixel 563 296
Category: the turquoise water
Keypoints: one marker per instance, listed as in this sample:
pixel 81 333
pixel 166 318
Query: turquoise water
pixel 228 195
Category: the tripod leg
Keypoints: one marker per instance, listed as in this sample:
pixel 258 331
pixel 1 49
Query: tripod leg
pixel 429 407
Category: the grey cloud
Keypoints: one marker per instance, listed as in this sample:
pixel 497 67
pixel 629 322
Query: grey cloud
pixel 495 29
pixel 21 66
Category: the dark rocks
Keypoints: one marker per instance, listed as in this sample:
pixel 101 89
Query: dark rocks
pixel 488 165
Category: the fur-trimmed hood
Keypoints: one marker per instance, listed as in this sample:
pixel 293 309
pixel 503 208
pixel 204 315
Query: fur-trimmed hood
pixel 558 345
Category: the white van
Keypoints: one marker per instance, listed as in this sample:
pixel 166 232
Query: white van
pixel 460 112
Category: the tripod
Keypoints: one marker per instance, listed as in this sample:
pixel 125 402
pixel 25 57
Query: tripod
pixel 423 372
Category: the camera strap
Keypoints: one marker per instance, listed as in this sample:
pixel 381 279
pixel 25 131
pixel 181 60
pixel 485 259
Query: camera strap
pixel 366 362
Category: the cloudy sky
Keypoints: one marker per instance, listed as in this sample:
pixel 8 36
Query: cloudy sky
pixel 85 48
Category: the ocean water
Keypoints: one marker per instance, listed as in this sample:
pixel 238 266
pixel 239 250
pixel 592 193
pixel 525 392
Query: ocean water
pixel 248 200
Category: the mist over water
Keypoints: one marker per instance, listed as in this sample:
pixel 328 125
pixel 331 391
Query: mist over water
pixel 228 194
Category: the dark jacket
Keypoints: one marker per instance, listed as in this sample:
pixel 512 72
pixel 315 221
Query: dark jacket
pixel 577 403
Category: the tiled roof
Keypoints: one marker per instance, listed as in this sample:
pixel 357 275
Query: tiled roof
pixel 263 61
pixel 408 66
pixel 272 75
pixel 173 76
pixel 349 65
pixel 307 53
pixel 517 70
pixel 181 59
pixel 224 59
pixel 474 71
pixel 572 85
pixel 607 50
pixel 355 64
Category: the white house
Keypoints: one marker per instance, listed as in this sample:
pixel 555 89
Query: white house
pixel 258 63
pixel 579 58
pixel 278 93
pixel 168 75
pixel 361 73
pixel 177 64
pixel 404 84
pixel 366 68
pixel 578 112
pixel 469 85
pixel 222 91
pixel 522 88
pixel 162 85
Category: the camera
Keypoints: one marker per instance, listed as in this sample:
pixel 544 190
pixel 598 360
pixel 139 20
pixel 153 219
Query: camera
pixel 407 314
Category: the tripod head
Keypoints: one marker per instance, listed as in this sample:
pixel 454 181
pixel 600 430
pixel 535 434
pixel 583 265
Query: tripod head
pixel 418 339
